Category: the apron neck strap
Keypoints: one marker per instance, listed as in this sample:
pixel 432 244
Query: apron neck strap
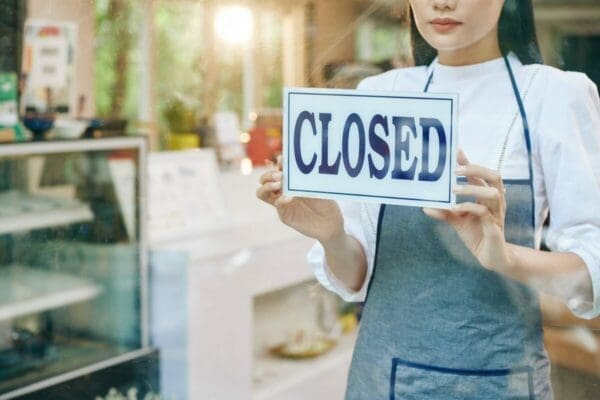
pixel 428 81
pixel 517 93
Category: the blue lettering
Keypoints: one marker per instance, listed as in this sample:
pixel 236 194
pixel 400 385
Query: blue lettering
pixel 310 117
pixel 405 132
pixel 353 119
pixel 325 168
pixel 425 174
pixel 403 147
pixel 379 146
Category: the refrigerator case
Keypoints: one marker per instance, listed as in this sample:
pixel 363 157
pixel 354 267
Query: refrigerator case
pixel 73 279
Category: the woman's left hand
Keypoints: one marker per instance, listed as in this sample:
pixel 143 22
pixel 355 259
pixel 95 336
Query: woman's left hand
pixel 479 224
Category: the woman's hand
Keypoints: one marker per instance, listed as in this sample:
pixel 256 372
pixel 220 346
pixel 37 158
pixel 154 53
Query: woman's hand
pixel 321 220
pixel 316 218
pixel 480 224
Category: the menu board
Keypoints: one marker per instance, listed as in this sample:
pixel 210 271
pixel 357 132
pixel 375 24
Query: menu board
pixel 184 197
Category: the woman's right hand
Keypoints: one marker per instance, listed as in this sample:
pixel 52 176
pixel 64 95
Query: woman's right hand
pixel 316 218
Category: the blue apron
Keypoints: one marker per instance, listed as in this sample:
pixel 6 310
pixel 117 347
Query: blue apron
pixel 436 324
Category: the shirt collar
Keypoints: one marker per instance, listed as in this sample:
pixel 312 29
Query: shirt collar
pixel 443 73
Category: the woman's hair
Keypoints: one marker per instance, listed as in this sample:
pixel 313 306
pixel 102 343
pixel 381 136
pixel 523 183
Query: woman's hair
pixel 516 33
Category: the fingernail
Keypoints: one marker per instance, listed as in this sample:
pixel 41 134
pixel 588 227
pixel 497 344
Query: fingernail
pixel 277 175
pixel 460 169
pixel 458 189
pixel 276 185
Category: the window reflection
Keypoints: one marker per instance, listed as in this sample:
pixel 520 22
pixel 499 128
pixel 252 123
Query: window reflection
pixel 160 272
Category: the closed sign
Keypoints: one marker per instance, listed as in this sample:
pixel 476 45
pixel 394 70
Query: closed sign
pixel 385 147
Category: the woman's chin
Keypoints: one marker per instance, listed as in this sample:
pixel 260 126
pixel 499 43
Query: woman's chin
pixel 450 43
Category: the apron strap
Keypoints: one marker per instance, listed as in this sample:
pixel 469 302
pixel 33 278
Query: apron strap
pixel 379 225
pixel 428 81
pixel 525 133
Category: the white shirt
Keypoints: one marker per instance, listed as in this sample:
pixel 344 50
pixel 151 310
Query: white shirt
pixel 563 111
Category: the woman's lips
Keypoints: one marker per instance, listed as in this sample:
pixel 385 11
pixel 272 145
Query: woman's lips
pixel 444 24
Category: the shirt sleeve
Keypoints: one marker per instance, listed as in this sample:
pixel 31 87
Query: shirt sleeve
pixel 360 221
pixel 570 161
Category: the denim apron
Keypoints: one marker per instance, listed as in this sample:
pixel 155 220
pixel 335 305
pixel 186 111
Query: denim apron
pixel 437 325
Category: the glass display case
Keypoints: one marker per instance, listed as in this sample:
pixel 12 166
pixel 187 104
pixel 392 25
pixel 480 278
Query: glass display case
pixel 72 258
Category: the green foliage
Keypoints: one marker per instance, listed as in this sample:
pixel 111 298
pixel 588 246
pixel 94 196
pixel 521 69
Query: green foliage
pixel 386 40
pixel 180 118
pixel 116 55
pixel 180 62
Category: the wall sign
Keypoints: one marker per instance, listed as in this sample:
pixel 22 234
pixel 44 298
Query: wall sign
pixel 384 147
pixel 49 65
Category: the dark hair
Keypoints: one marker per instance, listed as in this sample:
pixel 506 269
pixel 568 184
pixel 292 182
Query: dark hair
pixel 516 33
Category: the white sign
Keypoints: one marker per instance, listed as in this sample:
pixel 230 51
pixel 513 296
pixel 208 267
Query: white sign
pixel 227 129
pixel 184 197
pixel 48 66
pixel 384 147
pixel 50 69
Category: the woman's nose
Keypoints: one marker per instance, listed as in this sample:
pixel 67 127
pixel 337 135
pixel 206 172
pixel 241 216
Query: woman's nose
pixel 444 4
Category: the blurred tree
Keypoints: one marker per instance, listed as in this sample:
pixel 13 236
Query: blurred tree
pixel 179 49
pixel 118 14
pixel 382 39
pixel 113 51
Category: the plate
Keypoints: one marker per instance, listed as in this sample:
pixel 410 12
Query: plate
pixel 299 350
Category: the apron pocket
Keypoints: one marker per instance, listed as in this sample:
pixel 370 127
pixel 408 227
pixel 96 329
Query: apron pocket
pixel 413 381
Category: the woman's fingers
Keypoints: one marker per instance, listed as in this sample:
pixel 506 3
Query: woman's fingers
pixel 282 201
pixel 462 158
pixel 479 210
pixel 489 176
pixel 271 176
pixel 460 211
pixel 440 215
pixel 268 190
pixel 270 184
pixel 463 161
pixel 482 192
pixel 488 195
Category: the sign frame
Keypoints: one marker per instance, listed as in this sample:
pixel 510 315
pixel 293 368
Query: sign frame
pixel 452 98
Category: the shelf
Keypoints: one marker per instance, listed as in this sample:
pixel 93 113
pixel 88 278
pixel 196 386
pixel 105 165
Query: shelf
pixel 23 212
pixel 64 355
pixel 26 291
pixel 280 377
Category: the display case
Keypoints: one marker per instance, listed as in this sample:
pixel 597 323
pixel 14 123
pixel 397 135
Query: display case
pixel 72 259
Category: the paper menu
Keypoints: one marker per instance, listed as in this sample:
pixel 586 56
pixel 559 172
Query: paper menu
pixel 184 198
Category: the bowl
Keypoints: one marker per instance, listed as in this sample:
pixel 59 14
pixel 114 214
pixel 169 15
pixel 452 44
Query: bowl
pixel 69 128
pixel 38 124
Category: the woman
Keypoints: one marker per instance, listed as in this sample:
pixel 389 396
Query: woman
pixel 452 307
